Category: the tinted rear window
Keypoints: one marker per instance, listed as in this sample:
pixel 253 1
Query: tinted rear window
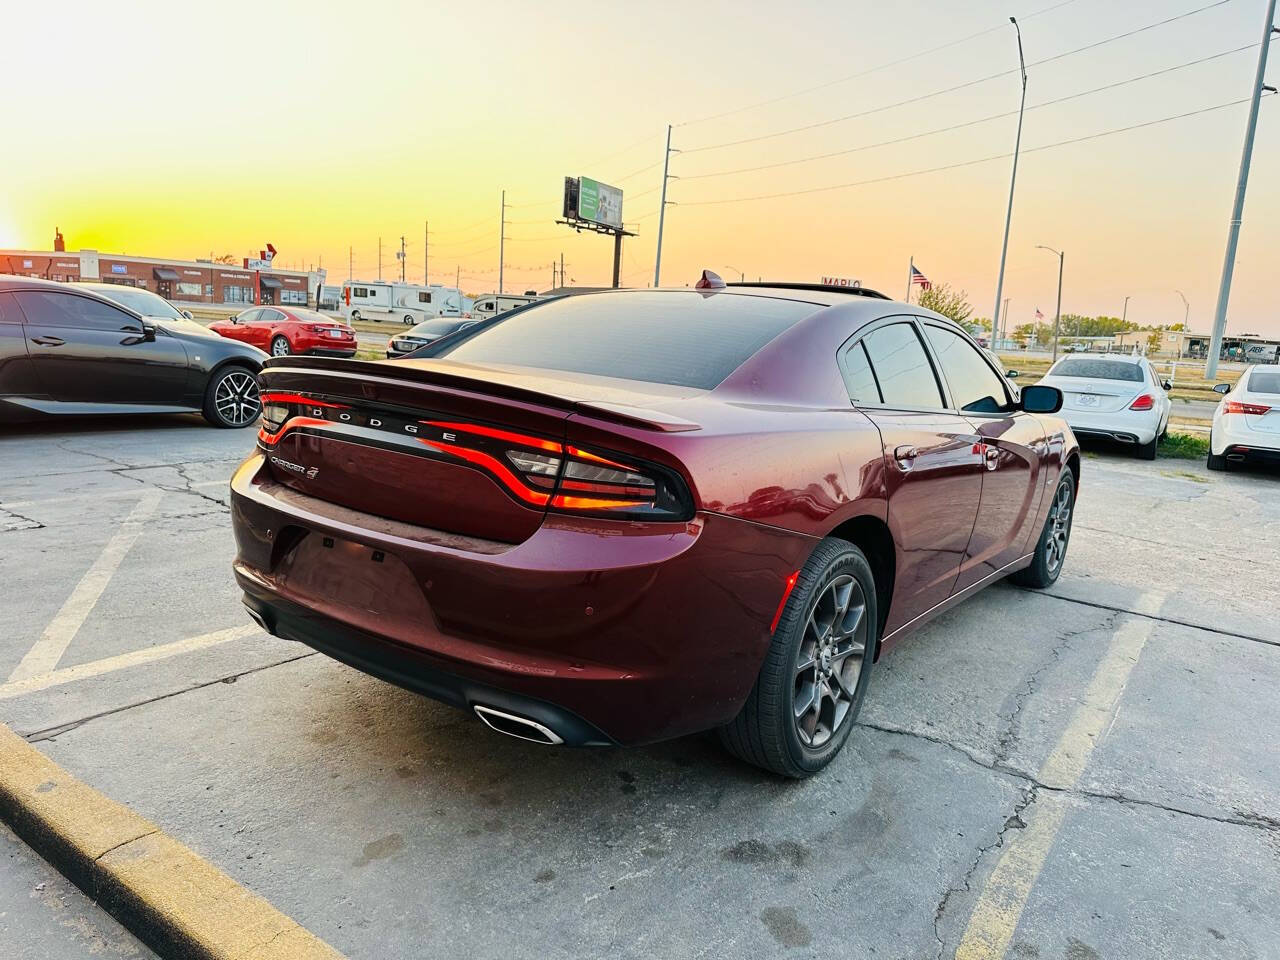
pixel 683 339
pixel 1098 369
pixel 438 328
pixel 1264 381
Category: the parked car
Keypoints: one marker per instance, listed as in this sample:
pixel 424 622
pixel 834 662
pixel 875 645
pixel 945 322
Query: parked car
pixel 1246 424
pixel 281 331
pixel 1116 396
pixel 65 349
pixel 146 304
pixel 424 333
pixel 621 517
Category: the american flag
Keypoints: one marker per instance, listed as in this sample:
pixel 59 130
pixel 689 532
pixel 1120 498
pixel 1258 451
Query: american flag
pixel 919 278
pixel 1039 315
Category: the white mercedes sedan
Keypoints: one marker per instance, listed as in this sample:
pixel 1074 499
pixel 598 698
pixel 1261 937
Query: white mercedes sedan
pixel 1246 425
pixel 1113 395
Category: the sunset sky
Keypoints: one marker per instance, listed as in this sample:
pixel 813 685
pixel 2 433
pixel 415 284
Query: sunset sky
pixel 183 130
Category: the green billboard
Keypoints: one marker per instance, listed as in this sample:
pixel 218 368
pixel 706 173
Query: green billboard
pixel 599 203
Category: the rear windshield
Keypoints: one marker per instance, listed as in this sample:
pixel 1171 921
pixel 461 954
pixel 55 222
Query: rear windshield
pixel 310 316
pixel 1098 369
pixel 1264 381
pixel 438 328
pixel 673 337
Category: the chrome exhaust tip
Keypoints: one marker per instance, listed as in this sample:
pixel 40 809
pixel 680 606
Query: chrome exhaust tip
pixel 522 728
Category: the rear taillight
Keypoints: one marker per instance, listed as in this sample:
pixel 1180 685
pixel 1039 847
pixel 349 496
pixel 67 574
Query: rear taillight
pixel 1144 402
pixel 1249 409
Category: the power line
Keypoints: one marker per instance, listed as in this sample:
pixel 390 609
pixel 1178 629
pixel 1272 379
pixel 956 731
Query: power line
pixel 966 123
pixel 965 163
pixel 863 73
pixel 959 86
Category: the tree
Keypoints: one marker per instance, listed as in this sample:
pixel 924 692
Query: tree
pixel 225 258
pixel 940 298
pixel 1153 340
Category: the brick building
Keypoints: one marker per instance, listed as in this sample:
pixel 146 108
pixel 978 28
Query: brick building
pixel 182 281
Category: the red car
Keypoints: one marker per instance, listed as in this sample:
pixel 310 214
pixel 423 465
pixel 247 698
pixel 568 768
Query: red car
pixel 621 517
pixel 281 331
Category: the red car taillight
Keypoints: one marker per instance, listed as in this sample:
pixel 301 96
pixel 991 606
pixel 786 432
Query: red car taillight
pixel 1249 409
pixel 566 478
pixel 1144 402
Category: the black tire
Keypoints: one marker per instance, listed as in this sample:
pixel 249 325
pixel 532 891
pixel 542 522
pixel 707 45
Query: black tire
pixel 280 347
pixel 355 315
pixel 767 732
pixel 231 397
pixel 408 320
pixel 1213 461
pixel 1048 561
pixel 1147 451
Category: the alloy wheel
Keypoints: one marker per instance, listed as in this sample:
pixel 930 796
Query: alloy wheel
pixel 279 347
pixel 829 661
pixel 1059 528
pixel 236 398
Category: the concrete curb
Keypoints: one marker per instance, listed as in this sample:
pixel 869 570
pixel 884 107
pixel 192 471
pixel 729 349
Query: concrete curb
pixel 173 900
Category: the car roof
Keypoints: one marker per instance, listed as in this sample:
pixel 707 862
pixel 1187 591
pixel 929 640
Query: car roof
pixel 9 282
pixel 1113 357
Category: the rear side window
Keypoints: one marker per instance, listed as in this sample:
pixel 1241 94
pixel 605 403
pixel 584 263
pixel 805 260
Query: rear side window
pixel 677 338
pixel 1265 381
pixel 975 387
pixel 1098 369
pixel 902 367
pixel 859 377
pixel 43 308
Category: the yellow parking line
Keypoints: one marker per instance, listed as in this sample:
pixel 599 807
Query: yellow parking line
pixel 1004 896
pixel 133 658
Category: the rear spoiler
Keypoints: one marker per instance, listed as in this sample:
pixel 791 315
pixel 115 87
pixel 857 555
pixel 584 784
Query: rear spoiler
pixel 370 372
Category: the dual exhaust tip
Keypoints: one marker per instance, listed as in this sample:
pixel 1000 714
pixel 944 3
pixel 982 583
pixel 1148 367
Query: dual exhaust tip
pixel 522 728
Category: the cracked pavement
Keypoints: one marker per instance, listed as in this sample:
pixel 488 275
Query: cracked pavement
pixel 392 826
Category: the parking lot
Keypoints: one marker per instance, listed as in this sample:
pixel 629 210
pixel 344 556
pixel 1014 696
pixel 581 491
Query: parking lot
pixel 1084 773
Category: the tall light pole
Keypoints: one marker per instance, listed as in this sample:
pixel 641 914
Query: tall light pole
pixel 1186 309
pixel 502 238
pixel 1017 146
pixel 742 277
pixel 662 208
pixel 1057 316
pixel 1242 183
pixel 1125 315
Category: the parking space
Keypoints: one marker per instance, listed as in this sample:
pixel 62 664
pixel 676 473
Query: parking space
pixel 1083 773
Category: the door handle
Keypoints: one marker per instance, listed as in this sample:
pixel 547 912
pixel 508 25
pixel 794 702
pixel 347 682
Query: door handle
pixel 991 455
pixel 905 455
pixel 48 341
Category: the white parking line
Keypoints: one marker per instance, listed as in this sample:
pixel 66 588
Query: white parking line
pixel 999 907
pixel 57 636
pixel 82 671
pixel 114 495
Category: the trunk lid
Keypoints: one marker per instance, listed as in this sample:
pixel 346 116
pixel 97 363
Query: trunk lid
pixel 468 450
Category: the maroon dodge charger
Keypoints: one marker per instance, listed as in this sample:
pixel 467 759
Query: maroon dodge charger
pixel 626 516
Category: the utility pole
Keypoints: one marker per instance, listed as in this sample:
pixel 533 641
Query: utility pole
pixel 350 261
pixel 662 208
pixel 562 280
pixel 1057 317
pixel 1242 183
pixel 1017 146
pixel 426 237
pixel 1124 316
pixel 502 237
pixel 379 259
pixel 553 275
pixel 457 277
pixel 402 260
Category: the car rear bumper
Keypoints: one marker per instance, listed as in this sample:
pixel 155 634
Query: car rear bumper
pixel 1124 425
pixel 604 631
pixel 1232 437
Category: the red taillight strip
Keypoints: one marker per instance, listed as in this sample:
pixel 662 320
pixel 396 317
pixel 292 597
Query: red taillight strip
pixel 1144 401
pixel 270 439
pixel 592 503
pixel 497 468
pixel 786 595
pixel 1248 409
pixel 591 457
pixel 298 398
pixel 507 435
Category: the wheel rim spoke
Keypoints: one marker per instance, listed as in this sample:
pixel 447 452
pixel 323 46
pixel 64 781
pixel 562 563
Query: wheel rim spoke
pixel 829 660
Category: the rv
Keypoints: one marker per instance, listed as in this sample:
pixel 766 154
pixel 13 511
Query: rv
pixel 492 304
pixel 409 303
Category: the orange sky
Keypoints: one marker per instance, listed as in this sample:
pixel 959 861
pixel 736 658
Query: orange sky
pixel 183 130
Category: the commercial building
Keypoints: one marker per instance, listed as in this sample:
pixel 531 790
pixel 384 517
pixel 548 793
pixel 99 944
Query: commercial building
pixel 181 281
pixel 1188 344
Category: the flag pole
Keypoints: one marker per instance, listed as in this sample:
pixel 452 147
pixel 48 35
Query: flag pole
pixel 911 272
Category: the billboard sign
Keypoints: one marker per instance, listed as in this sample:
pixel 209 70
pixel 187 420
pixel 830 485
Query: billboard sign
pixel 599 203
pixel 841 282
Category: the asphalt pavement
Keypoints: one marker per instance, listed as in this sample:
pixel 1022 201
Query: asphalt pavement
pixel 1083 773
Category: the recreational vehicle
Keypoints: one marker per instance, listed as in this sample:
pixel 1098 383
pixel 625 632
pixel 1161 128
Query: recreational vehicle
pixel 409 303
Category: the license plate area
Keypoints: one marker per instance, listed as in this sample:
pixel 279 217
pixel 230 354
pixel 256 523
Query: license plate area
pixel 356 582
pixel 1087 400
pixel 334 334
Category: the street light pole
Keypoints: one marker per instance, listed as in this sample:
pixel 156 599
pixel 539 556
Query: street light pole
pixel 1242 183
pixel 1125 315
pixel 1186 310
pixel 742 277
pixel 1017 146
pixel 662 208
pixel 1057 316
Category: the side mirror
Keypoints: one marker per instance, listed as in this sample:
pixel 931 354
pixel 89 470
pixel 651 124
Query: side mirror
pixel 148 332
pixel 1222 388
pixel 1168 385
pixel 187 314
pixel 1011 374
pixel 234 318
pixel 1041 399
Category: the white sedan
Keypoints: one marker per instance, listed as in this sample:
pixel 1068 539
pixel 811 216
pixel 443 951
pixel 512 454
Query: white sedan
pixel 1117 396
pixel 1246 425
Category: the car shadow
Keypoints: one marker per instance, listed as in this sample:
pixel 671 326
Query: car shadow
pixel 103 424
